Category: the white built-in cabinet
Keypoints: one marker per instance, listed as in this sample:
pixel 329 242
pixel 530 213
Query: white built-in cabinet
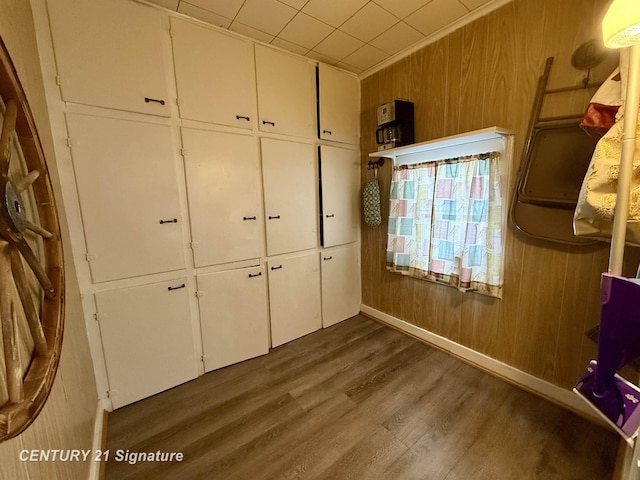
pixel 340 189
pixel 286 93
pixel 290 205
pixel 223 179
pixel 294 297
pixel 147 339
pixel 233 316
pixel 112 54
pixel 183 139
pixel 340 268
pixel 214 75
pixel 127 181
pixel 338 105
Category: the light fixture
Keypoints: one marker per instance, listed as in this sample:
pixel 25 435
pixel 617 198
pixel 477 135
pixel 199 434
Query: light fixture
pixel 621 24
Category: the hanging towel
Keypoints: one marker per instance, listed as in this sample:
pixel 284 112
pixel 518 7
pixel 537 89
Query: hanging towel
pixel 371 203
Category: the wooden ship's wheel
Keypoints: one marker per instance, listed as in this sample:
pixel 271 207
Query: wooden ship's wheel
pixel 31 263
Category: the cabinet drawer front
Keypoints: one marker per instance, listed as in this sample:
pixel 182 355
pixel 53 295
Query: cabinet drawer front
pixel 126 176
pixel 147 339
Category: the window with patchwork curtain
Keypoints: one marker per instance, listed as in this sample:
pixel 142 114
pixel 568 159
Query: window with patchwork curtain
pixel 446 220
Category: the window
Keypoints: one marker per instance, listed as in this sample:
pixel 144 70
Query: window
pixel 447 216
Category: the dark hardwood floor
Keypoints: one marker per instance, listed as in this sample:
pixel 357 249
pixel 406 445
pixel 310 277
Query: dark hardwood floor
pixel 356 401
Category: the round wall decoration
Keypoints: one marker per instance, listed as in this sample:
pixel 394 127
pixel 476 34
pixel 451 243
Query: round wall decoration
pixel 31 263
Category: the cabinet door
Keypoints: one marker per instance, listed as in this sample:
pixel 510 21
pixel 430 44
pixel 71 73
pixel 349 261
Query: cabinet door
pixel 340 185
pixel 294 297
pixel 111 54
pixel 340 283
pixel 286 93
pixel 147 339
pixel 223 186
pixel 289 180
pixel 339 105
pixel 126 177
pixel 233 316
pixel 214 75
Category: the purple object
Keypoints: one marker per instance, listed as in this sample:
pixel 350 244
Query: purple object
pixel 614 398
pixel 619 407
pixel 619 334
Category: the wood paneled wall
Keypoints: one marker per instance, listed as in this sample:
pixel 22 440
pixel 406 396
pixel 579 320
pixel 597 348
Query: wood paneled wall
pixel 67 420
pixel 482 75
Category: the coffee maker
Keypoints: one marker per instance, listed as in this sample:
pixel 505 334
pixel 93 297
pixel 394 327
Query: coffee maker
pixel 395 124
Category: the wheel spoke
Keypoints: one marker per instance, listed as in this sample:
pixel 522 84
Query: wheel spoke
pixel 9 331
pixel 30 311
pixel 36 268
pixel 26 182
pixel 37 229
pixel 6 137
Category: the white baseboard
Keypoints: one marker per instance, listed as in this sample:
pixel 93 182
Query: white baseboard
pixel 98 428
pixel 547 390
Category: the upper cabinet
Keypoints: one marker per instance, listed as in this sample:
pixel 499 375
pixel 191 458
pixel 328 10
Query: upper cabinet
pixel 111 54
pixel 223 186
pixel 214 74
pixel 286 93
pixel 127 180
pixel 338 105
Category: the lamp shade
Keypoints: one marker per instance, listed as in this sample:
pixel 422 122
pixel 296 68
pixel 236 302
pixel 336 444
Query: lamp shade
pixel 621 24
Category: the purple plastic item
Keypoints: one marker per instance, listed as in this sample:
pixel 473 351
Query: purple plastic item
pixel 613 397
pixel 619 408
pixel 619 334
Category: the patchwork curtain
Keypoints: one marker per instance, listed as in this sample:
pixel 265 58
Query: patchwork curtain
pixel 445 222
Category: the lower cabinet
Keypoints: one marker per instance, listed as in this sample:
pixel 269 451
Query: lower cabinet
pixel 340 283
pixel 233 316
pixel 147 339
pixel 294 297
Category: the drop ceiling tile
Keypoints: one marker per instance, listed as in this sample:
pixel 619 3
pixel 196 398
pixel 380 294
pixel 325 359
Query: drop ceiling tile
pixel 365 57
pixel 297 4
pixel 397 38
pixel 305 30
pixel 333 12
pixel 204 15
pixel 368 22
pixel 226 8
pixel 473 4
pixel 268 16
pixel 291 47
pixel 248 31
pixel 435 15
pixel 338 45
pixel 168 4
pixel 403 8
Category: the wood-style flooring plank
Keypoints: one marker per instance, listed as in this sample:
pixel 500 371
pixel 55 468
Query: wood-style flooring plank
pixel 356 401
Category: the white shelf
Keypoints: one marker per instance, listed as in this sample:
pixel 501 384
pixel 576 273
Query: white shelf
pixel 477 141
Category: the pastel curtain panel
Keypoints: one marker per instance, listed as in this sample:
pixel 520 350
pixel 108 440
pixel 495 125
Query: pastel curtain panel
pixel 445 222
